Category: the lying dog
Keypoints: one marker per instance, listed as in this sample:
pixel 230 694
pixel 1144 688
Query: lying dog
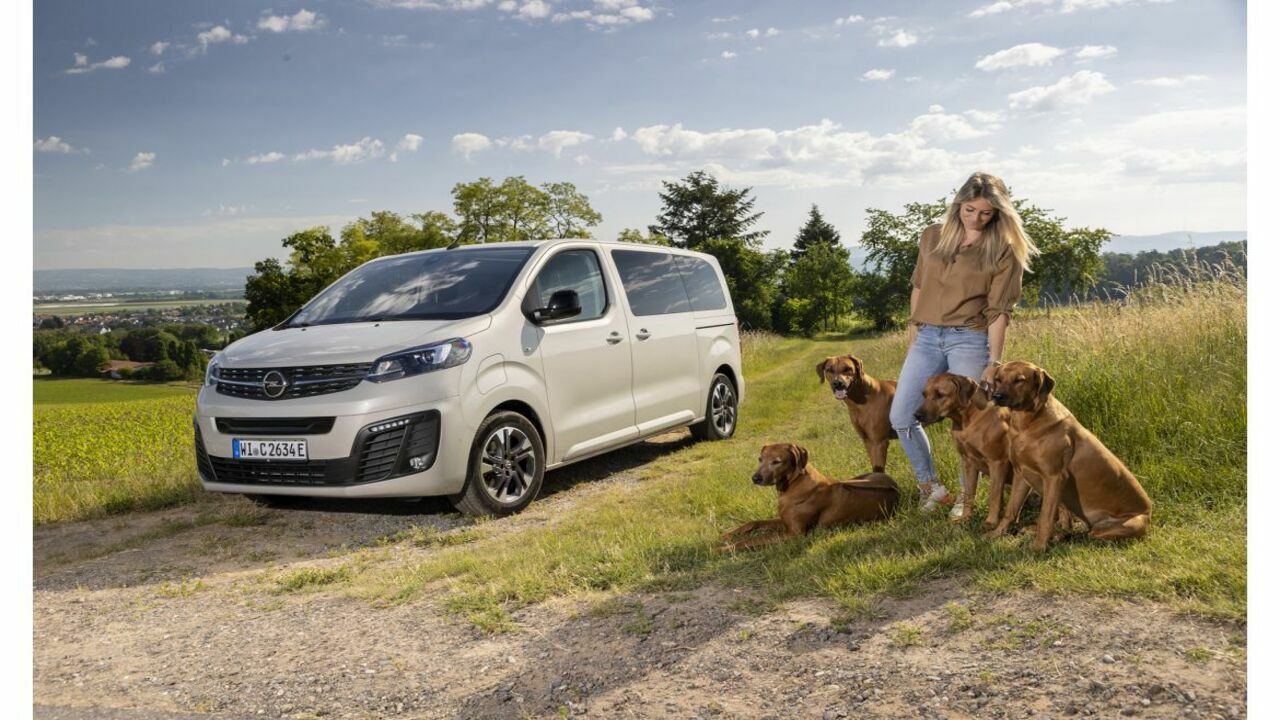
pixel 807 499
pixel 980 431
pixel 1058 457
pixel 868 401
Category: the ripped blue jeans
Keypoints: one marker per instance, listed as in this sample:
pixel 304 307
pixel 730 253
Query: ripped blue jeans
pixel 937 349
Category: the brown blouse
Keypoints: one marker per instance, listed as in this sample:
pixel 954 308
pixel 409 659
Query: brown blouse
pixel 961 292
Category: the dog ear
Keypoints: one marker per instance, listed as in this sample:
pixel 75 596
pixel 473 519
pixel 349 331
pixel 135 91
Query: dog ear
pixel 858 388
pixel 965 387
pixel 857 366
pixel 1046 387
pixel 822 371
pixel 799 456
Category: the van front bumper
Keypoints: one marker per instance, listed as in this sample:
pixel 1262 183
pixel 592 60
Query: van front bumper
pixel 409 451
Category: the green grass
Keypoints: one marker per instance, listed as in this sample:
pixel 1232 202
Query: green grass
pixel 48 391
pixel 91 459
pixel 1160 379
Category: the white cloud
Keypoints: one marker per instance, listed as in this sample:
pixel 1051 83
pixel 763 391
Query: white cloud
pixel 849 20
pixel 465 5
pixel 142 161
pixel 938 126
pixel 718 35
pixel 752 34
pixel 1025 55
pixel 1072 91
pixel 54 144
pixel 1095 52
pixel 158 47
pixel 897 38
pixel 409 143
pixel 726 55
pixel 619 134
pixel 365 148
pixel 1170 82
pixel 82 64
pixel 992 9
pixel 466 144
pixel 264 158
pixel 301 21
pixel 984 117
pixel 534 10
pixel 227 210
pixel 157 68
pixel 731 18
pixel 219 34
pixel 772 32
pixel 878 74
pixel 226 162
pixel 557 141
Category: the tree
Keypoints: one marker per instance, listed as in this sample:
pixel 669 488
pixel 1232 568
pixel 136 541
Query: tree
pixel 696 210
pixel 817 289
pixel 816 231
pixel 91 361
pixel 635 236
pixel 752 276
pixel 523 209
pixel 479 212
pixel 893 244
pixel 1069 261
pixel 569 212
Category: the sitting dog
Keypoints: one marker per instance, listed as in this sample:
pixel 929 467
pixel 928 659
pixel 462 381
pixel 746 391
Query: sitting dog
pixel 868 401
pixel 808 499
pixel 1064 462
pixel 980 431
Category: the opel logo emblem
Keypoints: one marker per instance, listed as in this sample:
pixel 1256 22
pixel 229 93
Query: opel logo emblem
pixel 274 384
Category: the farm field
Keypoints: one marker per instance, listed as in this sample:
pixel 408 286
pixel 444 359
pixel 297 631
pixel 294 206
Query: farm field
pixel 108 306
pixel 50 391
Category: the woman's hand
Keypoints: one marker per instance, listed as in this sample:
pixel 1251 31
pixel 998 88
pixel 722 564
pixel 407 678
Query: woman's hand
pixel 911 334
pixel 989 375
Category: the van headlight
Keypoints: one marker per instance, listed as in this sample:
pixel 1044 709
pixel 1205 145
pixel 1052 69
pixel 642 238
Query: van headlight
pixel 416 361
pixel 211 370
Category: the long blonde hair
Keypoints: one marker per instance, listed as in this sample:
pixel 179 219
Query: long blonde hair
pixel 1003 230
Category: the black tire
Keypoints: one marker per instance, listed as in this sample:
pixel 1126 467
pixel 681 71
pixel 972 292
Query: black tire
pixel 274 501
pixel 513 478
pixel 722 411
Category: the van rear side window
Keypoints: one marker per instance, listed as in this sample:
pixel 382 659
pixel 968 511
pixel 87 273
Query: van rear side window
pixel 701 282
pixel 652 282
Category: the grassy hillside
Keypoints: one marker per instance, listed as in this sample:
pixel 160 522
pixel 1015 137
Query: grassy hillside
pixel 1160 379
pixel 50 391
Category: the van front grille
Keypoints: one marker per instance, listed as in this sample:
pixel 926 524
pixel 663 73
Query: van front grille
pixel 299 382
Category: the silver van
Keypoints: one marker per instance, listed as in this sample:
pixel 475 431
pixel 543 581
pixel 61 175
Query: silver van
pixel 470 371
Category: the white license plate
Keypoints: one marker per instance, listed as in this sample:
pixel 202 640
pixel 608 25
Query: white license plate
pixel 269 449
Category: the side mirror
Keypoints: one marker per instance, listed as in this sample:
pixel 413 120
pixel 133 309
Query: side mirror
pixel 563 304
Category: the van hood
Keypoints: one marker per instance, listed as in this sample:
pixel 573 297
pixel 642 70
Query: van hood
pixel 345 343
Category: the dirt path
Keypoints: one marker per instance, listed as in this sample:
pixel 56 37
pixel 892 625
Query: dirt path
pixel 173 614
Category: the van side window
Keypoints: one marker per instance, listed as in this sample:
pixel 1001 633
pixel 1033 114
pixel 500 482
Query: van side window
pixel 652 282
pixel 702 283
pixel 577 270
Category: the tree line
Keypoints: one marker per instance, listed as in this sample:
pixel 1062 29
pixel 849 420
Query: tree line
pixel 173 350
pixel 809 287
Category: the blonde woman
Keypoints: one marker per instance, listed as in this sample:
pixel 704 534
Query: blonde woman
pixel 967 279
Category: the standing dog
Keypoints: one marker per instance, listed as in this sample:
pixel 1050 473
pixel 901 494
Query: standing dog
pixel 868 401
pixel 1064 462
pixel 809 499
pixel 980 431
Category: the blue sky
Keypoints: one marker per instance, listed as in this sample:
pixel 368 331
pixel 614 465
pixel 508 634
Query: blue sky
pixel 199 134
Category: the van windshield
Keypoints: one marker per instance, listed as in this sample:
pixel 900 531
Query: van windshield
pixel 439 285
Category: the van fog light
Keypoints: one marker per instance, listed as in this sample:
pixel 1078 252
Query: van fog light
pixel 419 462
pixel 390 426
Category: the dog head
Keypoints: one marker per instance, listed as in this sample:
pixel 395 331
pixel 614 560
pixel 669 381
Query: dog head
pixel 1021 386
pixel 946 396
pixel 779 463
pixel 844 374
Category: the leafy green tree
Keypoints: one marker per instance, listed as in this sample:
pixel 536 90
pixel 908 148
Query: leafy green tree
pixel 569 212
pixel 893 244
pixel 524 209
pixel 696 210
pixel 92 360
pixel 818 289
pixel 478 206
pixel 752 276
pixel 1069 261
pixel 635 236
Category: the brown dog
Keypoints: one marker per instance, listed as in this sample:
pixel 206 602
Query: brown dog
pixel 1064 462
pixel 807 499
pixel 980 431
pixel 868 401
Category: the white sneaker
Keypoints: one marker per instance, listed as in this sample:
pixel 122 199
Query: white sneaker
pixel 957 511
pixel 932 495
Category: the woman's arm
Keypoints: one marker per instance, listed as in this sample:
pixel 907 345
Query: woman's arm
pixel 911 327
pixel 995 339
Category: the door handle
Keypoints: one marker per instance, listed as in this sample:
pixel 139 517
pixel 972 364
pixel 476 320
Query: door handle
pixel 614 338
pixel 643 334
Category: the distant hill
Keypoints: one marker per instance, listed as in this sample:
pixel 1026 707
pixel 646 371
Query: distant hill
pixel 1164 242
pixel 116 280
